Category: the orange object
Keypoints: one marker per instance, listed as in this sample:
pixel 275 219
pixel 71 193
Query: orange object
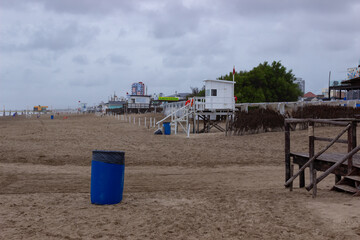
pixel 190 101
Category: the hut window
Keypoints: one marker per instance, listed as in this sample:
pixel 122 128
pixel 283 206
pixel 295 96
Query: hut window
pixel 207 93
pixel 213 92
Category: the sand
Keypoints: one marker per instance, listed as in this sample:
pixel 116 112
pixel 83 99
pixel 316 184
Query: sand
pixel 207 186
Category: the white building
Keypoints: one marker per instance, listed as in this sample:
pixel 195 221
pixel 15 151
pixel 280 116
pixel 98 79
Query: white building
pixel 219 95
pixel 301 83
pixel 139 101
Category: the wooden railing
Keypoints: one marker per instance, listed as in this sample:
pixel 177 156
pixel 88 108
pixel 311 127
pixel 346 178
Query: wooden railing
pixel 350 128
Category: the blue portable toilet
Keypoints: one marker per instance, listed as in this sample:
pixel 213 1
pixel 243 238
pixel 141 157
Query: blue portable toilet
pixel 167 128
pixel 107 177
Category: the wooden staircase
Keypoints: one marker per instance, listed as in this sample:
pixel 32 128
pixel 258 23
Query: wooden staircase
pixel 349 184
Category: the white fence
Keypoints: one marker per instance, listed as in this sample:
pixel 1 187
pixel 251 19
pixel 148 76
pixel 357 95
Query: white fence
pixel 283 107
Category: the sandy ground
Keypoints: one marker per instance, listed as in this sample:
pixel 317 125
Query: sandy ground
pixel 207 186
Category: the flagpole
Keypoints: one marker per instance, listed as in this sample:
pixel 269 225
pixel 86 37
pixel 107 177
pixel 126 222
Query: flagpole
pixel 234 74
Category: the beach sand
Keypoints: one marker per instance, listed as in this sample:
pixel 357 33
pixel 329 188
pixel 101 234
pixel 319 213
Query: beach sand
pixel 208 186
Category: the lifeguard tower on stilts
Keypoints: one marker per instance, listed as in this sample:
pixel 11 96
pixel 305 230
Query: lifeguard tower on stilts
pixel 218 104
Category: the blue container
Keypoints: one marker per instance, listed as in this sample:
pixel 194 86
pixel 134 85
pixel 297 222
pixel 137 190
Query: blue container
pixel 107 177
pixel 167 128
pixel 52 116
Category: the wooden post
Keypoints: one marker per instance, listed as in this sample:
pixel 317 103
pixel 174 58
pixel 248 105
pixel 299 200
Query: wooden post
pixel 198 120
pixel 208 124
pixel 351 144
pixel 231 123
pixel 227 124
pixel 291 174
pixel 311 150
pixel 301 178
pixel 287 152
pixel 350 147
pixel 315 184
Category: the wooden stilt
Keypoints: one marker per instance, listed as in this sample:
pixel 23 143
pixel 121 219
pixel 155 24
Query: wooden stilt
pixel 301 178
pixel 315 184
pixel 291 174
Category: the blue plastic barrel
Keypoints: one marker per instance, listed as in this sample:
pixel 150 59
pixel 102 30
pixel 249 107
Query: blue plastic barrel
pixel 167 129
pixel 107 177
pixel 52 116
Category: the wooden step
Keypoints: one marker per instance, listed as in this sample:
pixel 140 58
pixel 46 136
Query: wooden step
pixel 346 188
pixel 355 178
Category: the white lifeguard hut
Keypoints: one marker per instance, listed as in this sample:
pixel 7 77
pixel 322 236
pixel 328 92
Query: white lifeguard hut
pixel 219 95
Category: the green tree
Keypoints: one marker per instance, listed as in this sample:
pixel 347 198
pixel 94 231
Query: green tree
pixel 196 92
pixel 265 83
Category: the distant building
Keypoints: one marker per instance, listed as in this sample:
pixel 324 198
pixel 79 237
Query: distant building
pixel 139 101
pixel 116 104
pixel 309 95
pixel 181 96
pixel 138 89
pixel 301 83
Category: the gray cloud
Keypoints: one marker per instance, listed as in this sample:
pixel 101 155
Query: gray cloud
pixel 54 38
pixel 174 20
pixel 73 7
pixel 81 59
pixel 65 37
pixel 119 59
pixel 88 82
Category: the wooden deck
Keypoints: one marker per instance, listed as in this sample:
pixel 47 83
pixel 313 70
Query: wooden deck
pixel 345 166
pixel 326 160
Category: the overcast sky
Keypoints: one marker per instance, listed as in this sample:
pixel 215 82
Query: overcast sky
pixel 57 52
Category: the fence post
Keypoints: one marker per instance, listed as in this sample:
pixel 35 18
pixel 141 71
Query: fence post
pixel 351 143
pixel 315 184
pixel 291 174
pixel 287 151
pixel 312 152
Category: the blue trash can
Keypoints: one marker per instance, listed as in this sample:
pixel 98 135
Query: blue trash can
pixel 52 116
pixel 107 177
pixel 167 128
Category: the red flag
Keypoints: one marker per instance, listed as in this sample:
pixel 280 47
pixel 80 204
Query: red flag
pixel 234 70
